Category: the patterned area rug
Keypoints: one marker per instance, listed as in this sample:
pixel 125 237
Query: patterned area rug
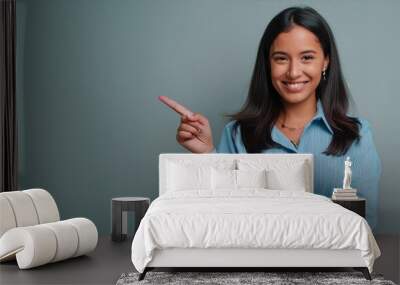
pixel 230 278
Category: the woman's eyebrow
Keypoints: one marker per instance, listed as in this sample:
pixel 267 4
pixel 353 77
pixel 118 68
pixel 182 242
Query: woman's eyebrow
pixel 278 53
pixel 284 53
pixel 308 51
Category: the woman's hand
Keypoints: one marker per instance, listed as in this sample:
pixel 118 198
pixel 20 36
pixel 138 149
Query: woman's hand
pixel 194 131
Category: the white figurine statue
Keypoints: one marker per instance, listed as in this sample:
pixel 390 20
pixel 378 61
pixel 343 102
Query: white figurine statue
pixel 347 174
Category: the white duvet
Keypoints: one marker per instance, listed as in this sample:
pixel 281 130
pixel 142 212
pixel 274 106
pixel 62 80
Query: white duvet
pixel 250 218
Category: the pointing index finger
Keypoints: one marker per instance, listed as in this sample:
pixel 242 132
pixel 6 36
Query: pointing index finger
pixel 180 109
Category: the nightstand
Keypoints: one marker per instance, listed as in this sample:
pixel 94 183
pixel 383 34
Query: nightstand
pixel 357 205
pixel 120 208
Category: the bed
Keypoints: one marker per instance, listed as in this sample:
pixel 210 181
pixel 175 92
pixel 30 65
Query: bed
pixel 245 211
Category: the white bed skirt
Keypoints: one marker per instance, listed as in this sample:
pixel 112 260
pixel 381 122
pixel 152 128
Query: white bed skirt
pixel 235 257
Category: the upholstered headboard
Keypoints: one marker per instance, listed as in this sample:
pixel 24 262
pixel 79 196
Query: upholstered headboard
pixel 237 161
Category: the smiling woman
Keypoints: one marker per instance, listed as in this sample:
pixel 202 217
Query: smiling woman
pixel 297 58
pixel 297 65
pixel 297 103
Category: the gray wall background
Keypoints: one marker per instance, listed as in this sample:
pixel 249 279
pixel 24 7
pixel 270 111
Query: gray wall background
pixel 89 73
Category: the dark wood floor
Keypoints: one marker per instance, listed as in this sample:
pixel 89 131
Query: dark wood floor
pixel 110 260
pixel 103 266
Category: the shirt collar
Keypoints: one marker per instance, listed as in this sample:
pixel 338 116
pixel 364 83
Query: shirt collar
pixel 280 138
pixel 320 115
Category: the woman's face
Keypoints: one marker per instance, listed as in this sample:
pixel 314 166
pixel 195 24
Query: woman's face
pixel 297 61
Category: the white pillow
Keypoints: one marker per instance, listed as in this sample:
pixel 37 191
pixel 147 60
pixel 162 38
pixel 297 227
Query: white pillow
pixel 293 179
pixel 251 178
pixel 183 177
pixel 223 179
pixel 281 174
pixel 236 179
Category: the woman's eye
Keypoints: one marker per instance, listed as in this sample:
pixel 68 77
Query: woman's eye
pixel 308 57
pixel 279 58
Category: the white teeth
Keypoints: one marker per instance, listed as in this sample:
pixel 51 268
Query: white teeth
pixel 295 86
pixel 295 83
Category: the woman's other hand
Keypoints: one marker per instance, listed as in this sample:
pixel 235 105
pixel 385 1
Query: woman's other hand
pixel 194 131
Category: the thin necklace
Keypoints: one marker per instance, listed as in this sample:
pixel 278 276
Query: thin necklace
pixel 283 125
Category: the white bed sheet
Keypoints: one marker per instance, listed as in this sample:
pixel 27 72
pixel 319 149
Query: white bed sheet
pixel 250 218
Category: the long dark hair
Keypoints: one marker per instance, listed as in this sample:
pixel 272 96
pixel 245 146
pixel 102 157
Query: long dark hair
pixel 263 104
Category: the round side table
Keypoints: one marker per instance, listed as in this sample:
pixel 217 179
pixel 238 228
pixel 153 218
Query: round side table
pixel 120 207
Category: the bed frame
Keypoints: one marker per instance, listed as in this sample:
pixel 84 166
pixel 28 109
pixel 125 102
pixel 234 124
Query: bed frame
pixel 242 259
pixel 248 259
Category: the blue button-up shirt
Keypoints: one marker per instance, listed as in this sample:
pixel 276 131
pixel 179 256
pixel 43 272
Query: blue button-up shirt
pixel 328 170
